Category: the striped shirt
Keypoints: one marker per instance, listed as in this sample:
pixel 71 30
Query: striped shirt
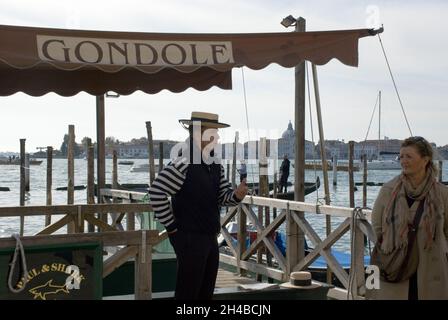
pixel 170 181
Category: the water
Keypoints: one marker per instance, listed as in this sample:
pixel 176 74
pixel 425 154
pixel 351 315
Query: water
pixel 9 177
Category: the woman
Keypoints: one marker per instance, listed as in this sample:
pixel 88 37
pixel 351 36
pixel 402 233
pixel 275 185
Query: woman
pixel 400 198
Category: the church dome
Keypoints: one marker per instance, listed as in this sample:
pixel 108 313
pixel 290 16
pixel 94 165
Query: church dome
pixel 289 133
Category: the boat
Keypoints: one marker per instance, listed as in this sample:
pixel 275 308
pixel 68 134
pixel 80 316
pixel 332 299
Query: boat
pixel 309 188
pixel 144 168
pixel 16 161
pixel 386 160
pixel 383 165
pixel 126 162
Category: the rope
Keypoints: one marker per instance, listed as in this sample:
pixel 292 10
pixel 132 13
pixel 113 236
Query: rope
pixel 318 200
pixel 356 215
pixel 370 123
pixel 12 265
pixel 395 86
pixel 248 128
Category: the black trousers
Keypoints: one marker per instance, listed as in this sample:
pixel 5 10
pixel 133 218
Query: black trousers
pixel 197 265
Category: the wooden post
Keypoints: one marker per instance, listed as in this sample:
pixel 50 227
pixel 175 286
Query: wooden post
pixel 114 170
pixel 241 237
pixel 160 156
pixel 152 173
pixel 263 191
pixel 101 152
pixel 227 171
pixel 90 179
pixel 335 170
pixel 323 157
pixel 440 170
pixel 71 172
pixel 359 238
pixel 295 236
pixel 234 184
pixel 27 172
pixel 143 272
pixel 49 182
pixel 364 181
pixel 22 183
pixel 351 146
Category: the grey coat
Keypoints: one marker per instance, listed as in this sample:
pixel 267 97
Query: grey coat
pixel 432 272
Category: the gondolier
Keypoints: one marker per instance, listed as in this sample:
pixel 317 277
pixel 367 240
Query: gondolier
pixel 196 183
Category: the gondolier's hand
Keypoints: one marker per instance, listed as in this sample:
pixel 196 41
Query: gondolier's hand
pixel 241 190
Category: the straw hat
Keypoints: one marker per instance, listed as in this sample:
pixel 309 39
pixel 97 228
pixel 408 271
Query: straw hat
pixel 209 120
pixel 300 280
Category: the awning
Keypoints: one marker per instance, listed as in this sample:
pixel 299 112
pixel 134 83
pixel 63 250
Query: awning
pixel 40 60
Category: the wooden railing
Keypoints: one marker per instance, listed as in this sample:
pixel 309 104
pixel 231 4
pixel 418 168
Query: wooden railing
pixel 240 255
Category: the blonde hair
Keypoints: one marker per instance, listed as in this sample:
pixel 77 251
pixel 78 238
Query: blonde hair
pixel 423 148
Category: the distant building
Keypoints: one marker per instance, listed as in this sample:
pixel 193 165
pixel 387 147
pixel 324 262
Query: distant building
pixel 286 144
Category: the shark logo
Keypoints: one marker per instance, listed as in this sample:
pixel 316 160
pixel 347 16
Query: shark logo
pixel 41 292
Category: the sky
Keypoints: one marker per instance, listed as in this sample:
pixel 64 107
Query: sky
pixel 414 39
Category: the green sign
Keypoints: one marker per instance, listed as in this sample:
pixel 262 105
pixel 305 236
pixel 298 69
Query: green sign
pixel 55 272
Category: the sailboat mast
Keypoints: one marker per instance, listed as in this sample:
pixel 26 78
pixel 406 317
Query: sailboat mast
pixel 379 124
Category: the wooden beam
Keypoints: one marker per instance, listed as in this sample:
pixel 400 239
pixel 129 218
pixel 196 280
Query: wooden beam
pixel 90 178
pixel 152 173
pixel 268 241
pixel 71 172
pixel 271 228
pixel 143 271
pixel 323 248
pixel 228 239
pixel 120 257
pixel 56 226
pixel 100 143
pixel 107 238
pixel 49 182
pixel 99 223
pixel 22 183
pixel 229 215
pixel 253 267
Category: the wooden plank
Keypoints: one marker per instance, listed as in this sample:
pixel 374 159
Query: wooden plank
pixel 73 209
pixel 56 226
pixel 107 238
pixel 253 267
pixel 241 238
pixel 268 241
pixel 229 215
pixel 228 239
pixel 124 194
pixel 100 223
pixel 115 261
pixel 303 206
pixel 271 228
pixel 143 273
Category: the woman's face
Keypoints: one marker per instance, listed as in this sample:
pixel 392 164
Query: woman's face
pixel 411 161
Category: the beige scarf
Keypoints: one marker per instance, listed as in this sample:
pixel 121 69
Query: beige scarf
pixel 397 217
